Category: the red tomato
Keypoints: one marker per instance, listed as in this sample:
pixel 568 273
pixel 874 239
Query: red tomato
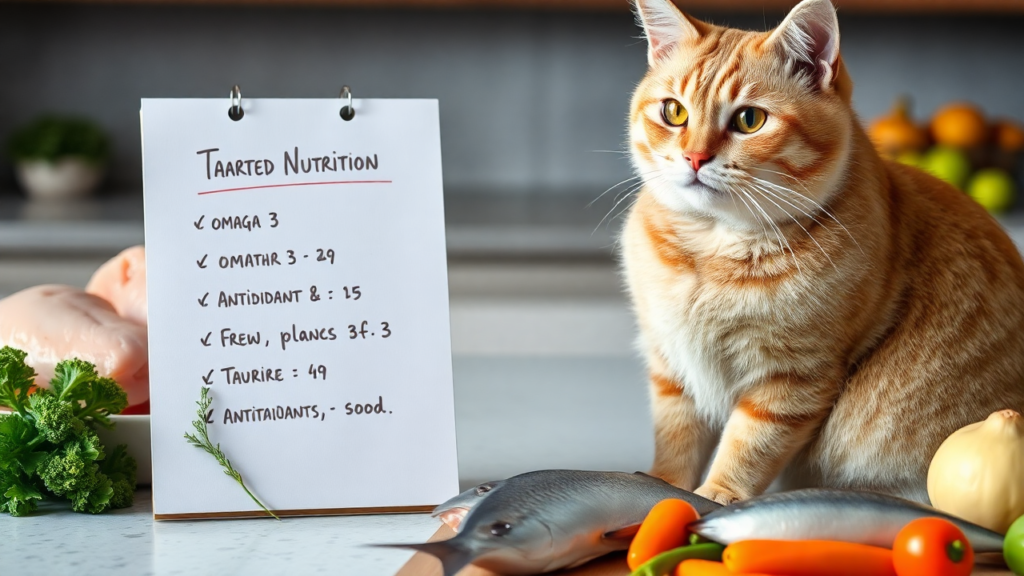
pixel 664 529
pixel 932 547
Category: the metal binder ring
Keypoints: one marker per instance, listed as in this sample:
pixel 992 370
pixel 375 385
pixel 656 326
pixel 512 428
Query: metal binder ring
pixel 347 112
pixel 235 112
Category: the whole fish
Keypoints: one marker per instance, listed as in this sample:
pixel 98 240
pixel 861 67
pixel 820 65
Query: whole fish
pixel 455 509
pixel 829 514
pixel 551 519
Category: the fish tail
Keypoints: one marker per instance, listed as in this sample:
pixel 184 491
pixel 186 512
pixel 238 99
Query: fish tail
pixel 453 557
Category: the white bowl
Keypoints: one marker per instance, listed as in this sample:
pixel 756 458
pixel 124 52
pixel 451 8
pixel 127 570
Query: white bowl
pixel 133 431
pixel 66 178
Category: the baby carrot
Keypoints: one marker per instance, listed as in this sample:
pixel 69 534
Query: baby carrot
pixel 663 529
pixel 702 568
pixel 808 558
pixel 706 568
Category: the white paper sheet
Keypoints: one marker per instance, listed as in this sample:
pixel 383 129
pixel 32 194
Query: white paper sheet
pixel 352 208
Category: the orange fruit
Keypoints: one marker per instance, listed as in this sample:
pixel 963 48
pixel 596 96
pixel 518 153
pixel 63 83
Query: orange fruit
pixel 1008 135
pixel 960 125
pixel 896 133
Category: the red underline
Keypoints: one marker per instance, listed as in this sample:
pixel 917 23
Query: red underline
pixel 296 184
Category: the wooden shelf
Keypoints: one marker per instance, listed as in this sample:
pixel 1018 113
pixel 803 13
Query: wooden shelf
pixel 860 6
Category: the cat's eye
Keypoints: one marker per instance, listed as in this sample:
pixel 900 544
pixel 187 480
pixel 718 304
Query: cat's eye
pixel 749 120
pixel 674 113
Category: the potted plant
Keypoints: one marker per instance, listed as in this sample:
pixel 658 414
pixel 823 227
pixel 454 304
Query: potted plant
pixel 59 157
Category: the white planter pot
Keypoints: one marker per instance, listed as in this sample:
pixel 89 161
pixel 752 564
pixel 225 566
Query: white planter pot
pixel 65 178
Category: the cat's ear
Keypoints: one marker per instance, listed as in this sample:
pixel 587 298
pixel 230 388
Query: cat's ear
pixel 809 40
pixel 665 27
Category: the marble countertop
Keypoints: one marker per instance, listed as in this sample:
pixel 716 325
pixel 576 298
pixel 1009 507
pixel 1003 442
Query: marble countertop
pixel 57 542
pixel 513 414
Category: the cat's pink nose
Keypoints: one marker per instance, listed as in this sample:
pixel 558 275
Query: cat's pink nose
pixel 698 159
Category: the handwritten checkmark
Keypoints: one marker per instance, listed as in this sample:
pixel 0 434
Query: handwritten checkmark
pixel 202 301
pixel 199 223
pixel 206 379
pixel 206 341
pixel 202 263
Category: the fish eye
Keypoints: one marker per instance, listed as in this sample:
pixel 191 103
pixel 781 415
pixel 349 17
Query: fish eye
pixel 500 528
pixel 749 120
pixel 484 488
pixel 674 113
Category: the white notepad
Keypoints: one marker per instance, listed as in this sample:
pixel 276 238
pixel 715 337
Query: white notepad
pixel 296 265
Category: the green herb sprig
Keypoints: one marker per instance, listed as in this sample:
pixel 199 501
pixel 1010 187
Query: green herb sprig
pixel 202 440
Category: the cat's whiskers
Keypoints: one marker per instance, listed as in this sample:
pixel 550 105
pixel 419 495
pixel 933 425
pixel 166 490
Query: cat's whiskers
pixel 778 232
pixel 648 178
pixel 768 191
pixel 613 187
pixel 805 197
pixel 756 217
pixel 813 205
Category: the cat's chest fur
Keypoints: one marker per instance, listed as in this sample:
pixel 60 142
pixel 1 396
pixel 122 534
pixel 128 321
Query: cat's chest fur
pixel 715 338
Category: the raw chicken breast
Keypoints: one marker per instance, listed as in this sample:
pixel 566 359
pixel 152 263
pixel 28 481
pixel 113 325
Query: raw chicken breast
pixel 52 323
pixel 122 282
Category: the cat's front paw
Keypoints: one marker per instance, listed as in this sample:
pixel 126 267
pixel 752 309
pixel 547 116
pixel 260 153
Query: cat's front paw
pixel 717 493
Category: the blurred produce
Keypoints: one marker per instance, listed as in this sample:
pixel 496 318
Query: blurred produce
pixel 1008 136
pixel 911 158
pixel 960 125
pixel 993 188
pixel 948 164
pixel 59 157
pixel 896 133
pixel 960 146
pixel 978 472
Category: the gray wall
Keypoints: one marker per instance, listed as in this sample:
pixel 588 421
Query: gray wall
pixel 527 98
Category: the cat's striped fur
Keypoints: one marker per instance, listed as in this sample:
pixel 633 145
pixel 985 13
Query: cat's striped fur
pixel 809 308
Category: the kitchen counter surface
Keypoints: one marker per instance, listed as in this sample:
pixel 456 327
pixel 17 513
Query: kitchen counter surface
pixel 513 414
pixel 58 542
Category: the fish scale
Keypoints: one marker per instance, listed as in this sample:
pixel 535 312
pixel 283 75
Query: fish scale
pixel 550 519
pixel 829 514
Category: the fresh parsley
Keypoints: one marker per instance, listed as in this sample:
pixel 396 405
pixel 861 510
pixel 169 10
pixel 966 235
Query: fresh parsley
pixel 48 445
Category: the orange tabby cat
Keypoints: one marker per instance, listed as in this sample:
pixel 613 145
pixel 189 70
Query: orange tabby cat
pixel 806 306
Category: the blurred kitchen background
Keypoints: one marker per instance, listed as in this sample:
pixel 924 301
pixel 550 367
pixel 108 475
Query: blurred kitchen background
pixel 533 97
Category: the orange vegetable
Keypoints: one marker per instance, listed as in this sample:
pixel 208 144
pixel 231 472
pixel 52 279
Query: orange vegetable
pixel 706 568
pixel 932 547
pixel 663 529
pixel 702 568
pixel 808 558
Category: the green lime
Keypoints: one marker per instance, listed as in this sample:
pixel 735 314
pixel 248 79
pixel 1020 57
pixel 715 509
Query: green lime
pixel 911 158
pixel 993 188
pixel 948 164
pixel 1013 547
